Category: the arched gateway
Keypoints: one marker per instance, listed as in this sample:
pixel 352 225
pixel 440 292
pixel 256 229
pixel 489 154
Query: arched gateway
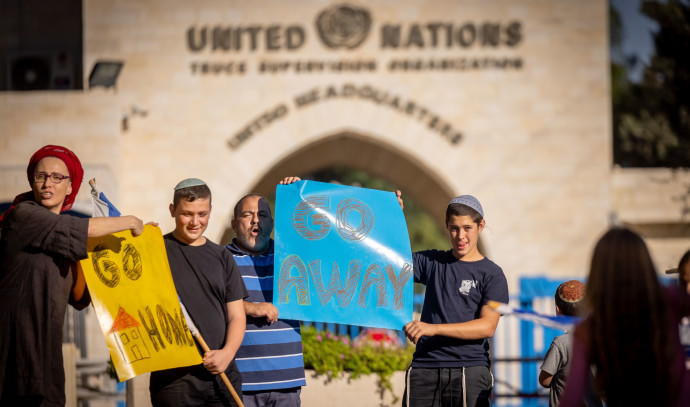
pixel 356 151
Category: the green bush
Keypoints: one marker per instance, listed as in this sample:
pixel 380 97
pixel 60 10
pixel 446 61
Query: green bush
pixel 335 355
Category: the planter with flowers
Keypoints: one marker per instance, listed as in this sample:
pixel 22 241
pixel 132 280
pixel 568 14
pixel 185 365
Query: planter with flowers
pixel 375 351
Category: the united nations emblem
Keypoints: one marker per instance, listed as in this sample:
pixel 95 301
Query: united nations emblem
pixel 343 26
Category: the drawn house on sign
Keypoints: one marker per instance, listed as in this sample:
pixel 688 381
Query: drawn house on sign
pixel 125 331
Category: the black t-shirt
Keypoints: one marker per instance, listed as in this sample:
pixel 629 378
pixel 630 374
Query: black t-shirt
pixel 206 279
pixel 456 291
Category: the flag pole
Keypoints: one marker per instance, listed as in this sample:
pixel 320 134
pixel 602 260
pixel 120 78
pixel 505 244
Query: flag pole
pixel 197 335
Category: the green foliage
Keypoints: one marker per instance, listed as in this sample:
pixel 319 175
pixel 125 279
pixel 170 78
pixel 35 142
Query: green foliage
pixel 652 118
pixel 423 229
pixel 110 370
pixel 333 355
pixel 619 83
pixel 648 135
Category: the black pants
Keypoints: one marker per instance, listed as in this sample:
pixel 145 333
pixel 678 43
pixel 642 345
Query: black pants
pixel 193 386
pixel 443 387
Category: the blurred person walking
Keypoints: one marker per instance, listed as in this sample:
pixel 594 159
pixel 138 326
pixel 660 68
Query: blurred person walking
pixel 630 335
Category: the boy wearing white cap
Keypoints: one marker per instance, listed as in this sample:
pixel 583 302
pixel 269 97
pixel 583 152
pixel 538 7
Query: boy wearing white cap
pixel 451 365
pixel 210 287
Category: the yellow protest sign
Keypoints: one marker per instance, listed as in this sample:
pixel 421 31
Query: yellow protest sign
pixel 137 305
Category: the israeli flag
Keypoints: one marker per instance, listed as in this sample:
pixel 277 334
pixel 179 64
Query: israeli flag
pixel 102 207
pixel 562 322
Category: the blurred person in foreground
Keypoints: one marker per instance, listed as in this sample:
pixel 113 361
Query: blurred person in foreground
pixel 684 282
pixel 38 277
pixel 630 335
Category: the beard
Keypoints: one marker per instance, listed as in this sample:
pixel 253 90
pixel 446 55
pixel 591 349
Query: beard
pixel 258 245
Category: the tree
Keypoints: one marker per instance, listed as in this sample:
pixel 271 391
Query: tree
pixel 652 118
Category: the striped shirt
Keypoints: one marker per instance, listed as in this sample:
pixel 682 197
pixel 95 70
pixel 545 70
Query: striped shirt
pixel 270 356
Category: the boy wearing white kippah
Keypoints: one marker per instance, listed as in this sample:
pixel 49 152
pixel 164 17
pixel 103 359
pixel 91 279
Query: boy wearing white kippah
pixel 451 365
pixel 210 286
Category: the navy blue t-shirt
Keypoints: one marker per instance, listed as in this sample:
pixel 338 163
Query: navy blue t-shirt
pixel 456 291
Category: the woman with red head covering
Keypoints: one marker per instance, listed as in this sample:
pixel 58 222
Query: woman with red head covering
pixel 37 249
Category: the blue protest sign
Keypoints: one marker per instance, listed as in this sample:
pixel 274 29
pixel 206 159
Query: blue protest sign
pixel 342 255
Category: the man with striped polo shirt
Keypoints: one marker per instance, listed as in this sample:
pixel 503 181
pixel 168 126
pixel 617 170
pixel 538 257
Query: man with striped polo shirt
pixel 270 357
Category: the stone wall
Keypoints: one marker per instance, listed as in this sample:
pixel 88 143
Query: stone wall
pixel 533 134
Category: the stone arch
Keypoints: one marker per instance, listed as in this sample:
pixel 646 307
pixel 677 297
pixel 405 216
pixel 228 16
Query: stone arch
pixel 355 150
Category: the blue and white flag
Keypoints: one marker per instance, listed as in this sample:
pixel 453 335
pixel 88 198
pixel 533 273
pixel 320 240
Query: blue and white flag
pixel 562 322
pixel 102 207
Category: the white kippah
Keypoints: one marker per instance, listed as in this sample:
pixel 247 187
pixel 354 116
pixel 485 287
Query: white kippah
pixel 189 182
pixel 468 200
